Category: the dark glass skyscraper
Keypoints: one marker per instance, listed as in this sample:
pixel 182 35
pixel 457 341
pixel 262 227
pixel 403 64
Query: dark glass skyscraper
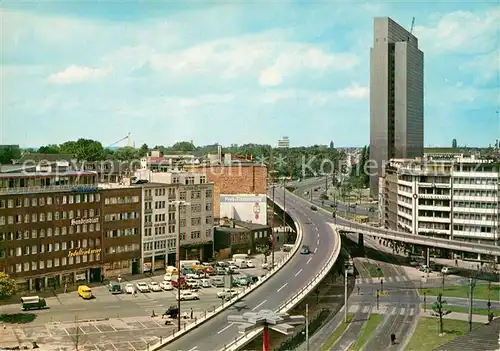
pixel 396 97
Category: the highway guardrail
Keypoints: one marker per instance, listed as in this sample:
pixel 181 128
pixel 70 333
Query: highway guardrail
pixel 197 322
pixel 242 340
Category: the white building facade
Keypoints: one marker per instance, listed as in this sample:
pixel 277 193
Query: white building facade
pixel 163 195
pixel 457 198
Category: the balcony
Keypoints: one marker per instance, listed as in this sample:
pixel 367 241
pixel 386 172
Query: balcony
pixel 435 196
pixel 148 198
pixel 434 219
pixel 36 189
pixel 148 224
pixel 434 185
pixel 434 208
pixel 148 210
pixel 434 230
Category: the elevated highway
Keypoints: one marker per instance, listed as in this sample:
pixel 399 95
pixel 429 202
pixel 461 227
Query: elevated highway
pixel 215 333
pixel 453 245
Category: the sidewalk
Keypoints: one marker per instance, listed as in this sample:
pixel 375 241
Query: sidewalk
pixel 476 318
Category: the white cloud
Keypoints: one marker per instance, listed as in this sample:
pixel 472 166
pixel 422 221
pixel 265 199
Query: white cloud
pixel 77 74
pixel 267 56
pixel 209 99
pixel 483 67
pixel 462 32
pixel 355 91
pixel 270 77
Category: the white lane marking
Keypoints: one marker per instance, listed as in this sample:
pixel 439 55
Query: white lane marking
pixel 111 306
pixel 194 348
pixel 260 304
pixel 309 218
pixel 220 331
pixel 296 274
pixel 317 242
pixel 317 229
pixel 316 249
pixel 282 287
pixel 309 260
pixel 77 309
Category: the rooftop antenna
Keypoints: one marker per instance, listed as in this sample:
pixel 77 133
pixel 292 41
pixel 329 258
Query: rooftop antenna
pixel 412 25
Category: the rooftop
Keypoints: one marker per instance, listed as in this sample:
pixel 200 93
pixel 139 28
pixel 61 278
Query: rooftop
pixel 250 226
pixel 46 174
pixel 226 229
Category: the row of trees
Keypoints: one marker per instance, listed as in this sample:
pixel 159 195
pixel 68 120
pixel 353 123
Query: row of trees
pixel 294 162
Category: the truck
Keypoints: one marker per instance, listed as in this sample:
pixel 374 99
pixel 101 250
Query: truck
pixel 33 302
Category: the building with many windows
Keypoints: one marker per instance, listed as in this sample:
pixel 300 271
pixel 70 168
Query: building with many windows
pixel 54 229
pixel 456 198
pixel 164 193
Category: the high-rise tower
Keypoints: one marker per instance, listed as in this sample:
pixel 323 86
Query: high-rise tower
pixel 396 97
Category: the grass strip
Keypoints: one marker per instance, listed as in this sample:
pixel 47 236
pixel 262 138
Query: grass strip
pixel 368 329
pixel 337 333
pixel 374 270
pixel 481 291
pixel 426 337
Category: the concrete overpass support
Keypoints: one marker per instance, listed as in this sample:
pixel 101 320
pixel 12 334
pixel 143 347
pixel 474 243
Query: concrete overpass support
pixel 361 242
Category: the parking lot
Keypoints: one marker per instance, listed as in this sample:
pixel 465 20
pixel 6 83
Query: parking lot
pixel 129 325
pixel 125 334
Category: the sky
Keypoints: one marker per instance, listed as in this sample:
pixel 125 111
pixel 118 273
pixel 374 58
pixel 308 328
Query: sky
pixel 235 72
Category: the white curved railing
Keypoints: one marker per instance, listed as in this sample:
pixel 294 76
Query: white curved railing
pixel 246 290
pixel 293 301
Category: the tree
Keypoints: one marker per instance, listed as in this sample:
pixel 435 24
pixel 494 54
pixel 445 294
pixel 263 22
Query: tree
pixel 49 149
pixel 183 146
pixel 126 153
pixel 9 153
pixel 438 311
pixel 7 286
pixel 84 149
pixel 143 151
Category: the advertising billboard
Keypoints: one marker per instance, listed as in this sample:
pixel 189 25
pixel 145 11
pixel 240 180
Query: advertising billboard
pixel 244 207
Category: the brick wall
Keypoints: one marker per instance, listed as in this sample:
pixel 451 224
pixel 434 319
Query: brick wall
pixel 235 180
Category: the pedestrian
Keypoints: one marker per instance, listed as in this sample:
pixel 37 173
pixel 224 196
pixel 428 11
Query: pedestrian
pixel 191 315
pixel 456 262
pixel 65 288
pixel 358 289
pixel 393 339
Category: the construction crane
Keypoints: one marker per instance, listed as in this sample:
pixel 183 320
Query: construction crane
pixel 122 139
pixel 412 25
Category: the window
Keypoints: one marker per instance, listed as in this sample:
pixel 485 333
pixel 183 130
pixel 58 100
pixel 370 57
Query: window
pixel 33 250
pixel 33 266
pixel 41 264
pixel 26 266
pixel 49 200
pixel 56 262
pixel 49 263
pixel 19 267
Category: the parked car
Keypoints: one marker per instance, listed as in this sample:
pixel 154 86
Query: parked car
pixel 250 264
pixel 227 293
pixel 424 268
pixel 115 288
pixel 172 312
pixel 142 287
pixel 129 288
pixel 166 285
pixel 193 283
pixel 206 283
pixel 188 295
pixel 194 275
pixel 314 208
pixel 154 286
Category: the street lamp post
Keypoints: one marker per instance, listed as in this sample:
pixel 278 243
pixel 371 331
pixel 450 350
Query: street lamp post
pixel 273 238
pixel 178 257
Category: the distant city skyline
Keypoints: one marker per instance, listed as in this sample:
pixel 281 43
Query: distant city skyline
pixel 219 75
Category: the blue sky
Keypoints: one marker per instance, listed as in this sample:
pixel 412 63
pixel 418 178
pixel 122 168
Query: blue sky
pixel 235 71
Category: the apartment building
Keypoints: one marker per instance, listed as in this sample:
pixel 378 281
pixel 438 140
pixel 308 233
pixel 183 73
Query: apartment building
pixel 456 198
pixel 53 226
pixel 176 205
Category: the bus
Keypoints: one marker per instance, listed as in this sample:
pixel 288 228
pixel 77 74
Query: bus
pixel 362 219
pixel 189 263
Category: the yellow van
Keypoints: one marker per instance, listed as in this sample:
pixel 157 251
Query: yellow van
pixel 84 292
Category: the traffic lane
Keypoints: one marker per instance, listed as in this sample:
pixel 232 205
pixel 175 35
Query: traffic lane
pixel 270 295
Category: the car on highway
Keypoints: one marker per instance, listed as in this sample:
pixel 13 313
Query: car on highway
pixel 142 287
pixel 154 286
pixel 314 208
pixel 166 286
pixel 448 270
pixel 129 288
pixel 304 250
pixel 227 293
pixel 188 295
